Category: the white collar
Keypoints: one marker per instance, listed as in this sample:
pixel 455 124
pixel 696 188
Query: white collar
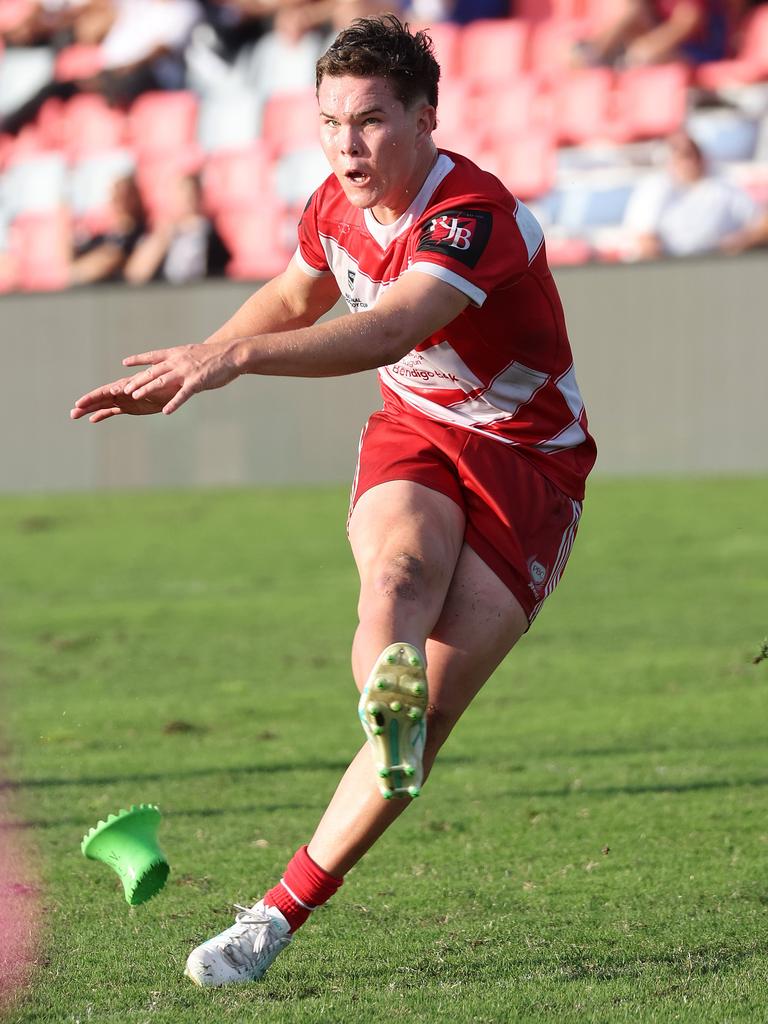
pixel 385 234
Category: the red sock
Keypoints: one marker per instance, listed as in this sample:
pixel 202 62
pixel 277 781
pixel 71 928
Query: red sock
pixel 304 887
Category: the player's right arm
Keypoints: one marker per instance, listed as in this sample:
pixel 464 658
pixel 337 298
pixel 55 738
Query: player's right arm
pixel 291 300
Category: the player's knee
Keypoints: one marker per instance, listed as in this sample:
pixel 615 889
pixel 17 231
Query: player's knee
pixel 399 576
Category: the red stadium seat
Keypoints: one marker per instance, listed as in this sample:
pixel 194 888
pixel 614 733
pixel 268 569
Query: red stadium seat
pixel 584 106
pixel 517 115
pixel 527 165
pixel 78 61
pixel 236 179
pixel 92 126
pixel 40 246
pixel 751 65
pixel 163 121
pixel 51 123
pixel 8 273
pixel 261 241
pixel 653 101
pixel 157 173
pixel 568 252
pixel 551 45
pixel 455 114
pixel 533 10
pixel 13 12
pixel 291 121
pixel 494 50
pixel 446 36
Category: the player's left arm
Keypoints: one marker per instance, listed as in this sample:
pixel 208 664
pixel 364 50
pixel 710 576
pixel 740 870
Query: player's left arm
pixel 409 311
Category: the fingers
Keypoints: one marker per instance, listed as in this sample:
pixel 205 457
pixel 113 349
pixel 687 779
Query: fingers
pixel 105 414
pixel 149 380
pixel 182 395
pixel 155 356
pixel 99 396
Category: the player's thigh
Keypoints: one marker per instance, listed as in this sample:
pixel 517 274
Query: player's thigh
pixel 480 623
pixel 402 527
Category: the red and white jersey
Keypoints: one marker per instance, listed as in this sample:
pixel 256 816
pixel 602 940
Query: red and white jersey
pixel 504 366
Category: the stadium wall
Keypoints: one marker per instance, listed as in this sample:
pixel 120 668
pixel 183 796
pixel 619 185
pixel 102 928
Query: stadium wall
pixel 672 360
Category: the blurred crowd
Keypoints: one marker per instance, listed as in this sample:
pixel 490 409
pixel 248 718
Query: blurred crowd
pixel 692 174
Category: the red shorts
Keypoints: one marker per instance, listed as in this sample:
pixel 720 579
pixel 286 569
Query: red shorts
pixel 520 524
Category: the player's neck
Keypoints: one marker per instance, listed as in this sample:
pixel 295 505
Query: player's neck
pixel 388 213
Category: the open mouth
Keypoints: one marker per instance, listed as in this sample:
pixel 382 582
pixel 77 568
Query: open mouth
pixel 358 177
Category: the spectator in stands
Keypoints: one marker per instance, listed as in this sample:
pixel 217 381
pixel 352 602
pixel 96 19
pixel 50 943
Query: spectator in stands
pixel 103 257
pixel 37 22
pixel 142 43
pixel 183 247
pixel 646 32
pixel 461 12
pixel 687 210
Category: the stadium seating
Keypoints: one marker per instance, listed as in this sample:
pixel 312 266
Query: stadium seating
pixel 228 120
pixel 92 126
pixel 493 50
pixel 163 121
pixel 751 64
pixel 583 106
pixel 290 121
pixel 90 187
pixel 36 184
pixel 526 165
pixel 458 127
pixel 40 246
pixel 508 98
pixel 261 241
pixel 652 101
pixel 445 38
pixel 156 173
pixel 517 115
pixel 236 179
pixel 78 61
pixel 550 47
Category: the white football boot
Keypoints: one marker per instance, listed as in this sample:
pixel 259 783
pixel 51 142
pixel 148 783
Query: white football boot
pixel 393 709
pixel 242 952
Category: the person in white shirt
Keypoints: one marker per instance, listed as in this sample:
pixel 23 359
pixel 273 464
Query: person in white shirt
pixel 686 210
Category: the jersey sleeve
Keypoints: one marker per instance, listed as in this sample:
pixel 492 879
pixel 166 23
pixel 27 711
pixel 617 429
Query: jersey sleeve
pixel 310 254
pixel 476 246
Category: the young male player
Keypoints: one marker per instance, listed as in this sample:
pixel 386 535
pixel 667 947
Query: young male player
pixel 469 484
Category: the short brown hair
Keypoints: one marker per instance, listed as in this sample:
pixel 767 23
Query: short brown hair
pixel 384 47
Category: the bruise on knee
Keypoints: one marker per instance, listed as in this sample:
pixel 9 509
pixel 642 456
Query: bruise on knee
pixel 401 577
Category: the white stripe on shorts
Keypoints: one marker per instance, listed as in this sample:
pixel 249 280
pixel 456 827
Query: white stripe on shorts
pixel 356 477
pixel 564 551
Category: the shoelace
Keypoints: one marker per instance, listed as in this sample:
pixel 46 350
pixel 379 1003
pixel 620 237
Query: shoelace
pixel 236 950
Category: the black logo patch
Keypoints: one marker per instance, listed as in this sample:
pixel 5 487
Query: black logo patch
pixel 460 234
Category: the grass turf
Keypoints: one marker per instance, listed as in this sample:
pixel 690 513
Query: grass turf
pixel 592 846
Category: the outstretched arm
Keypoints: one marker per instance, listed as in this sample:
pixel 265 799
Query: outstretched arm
pixel 410 310
pixel 290 300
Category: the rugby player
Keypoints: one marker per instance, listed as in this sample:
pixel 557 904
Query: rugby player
pixel 470 479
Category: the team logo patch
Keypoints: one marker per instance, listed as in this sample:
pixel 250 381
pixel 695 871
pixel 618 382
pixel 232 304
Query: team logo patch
pixel 538 572
pixel 351 278
pixel 460 234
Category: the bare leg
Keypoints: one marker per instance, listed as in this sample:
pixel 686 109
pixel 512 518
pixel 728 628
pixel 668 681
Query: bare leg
pixel 406 540
pixel 479 624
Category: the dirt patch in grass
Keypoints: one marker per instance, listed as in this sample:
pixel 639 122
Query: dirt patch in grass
pixel 19 911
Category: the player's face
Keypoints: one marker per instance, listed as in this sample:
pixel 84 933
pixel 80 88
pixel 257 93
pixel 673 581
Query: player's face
pixel 379 150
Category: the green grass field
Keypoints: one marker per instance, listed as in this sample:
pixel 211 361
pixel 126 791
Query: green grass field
pixel 592 847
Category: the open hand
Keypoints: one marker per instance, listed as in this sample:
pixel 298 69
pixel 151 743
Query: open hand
pixel 172 377
pixel 111 400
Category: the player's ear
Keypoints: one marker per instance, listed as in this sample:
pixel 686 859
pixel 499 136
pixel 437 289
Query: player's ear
pixel 426 119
